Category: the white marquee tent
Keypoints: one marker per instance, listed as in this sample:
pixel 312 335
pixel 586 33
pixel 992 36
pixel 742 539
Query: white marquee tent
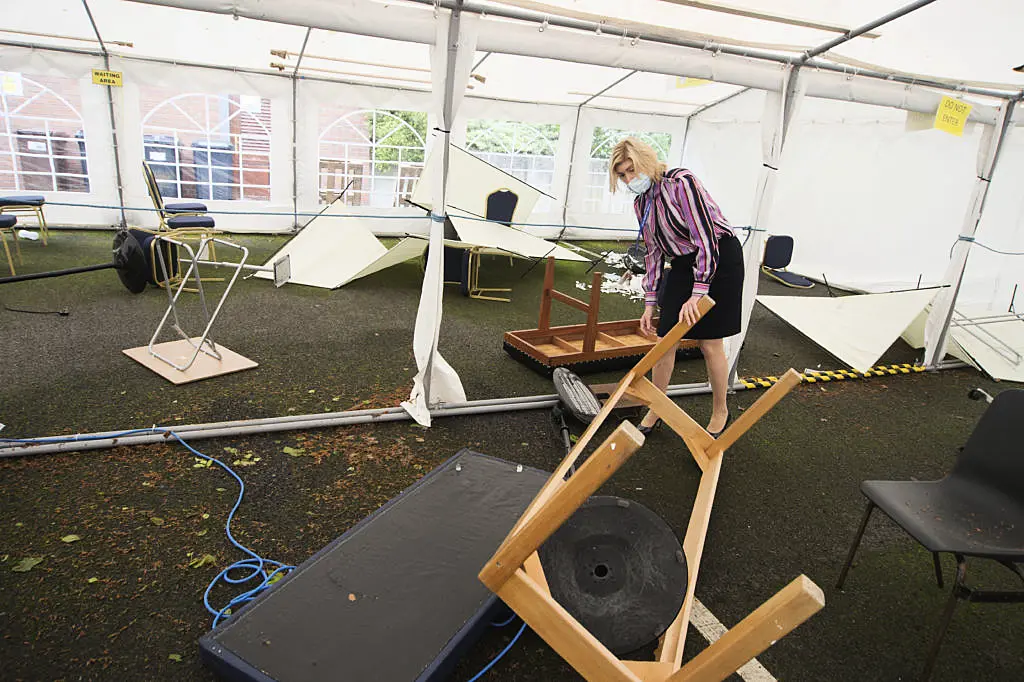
pixel 807 119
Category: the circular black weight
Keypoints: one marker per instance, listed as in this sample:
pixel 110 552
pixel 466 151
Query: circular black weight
pixel 130 262
pixel 618 568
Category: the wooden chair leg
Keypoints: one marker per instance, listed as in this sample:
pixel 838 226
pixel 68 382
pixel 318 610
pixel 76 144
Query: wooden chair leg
pixel 44 229
pixel 856 544
pixel 7 250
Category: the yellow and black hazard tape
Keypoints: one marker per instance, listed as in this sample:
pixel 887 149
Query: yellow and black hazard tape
pixel 836 375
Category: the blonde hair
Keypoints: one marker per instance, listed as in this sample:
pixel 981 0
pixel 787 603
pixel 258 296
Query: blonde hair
pixel 644 158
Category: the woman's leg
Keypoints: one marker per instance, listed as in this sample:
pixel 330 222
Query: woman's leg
pixel 718 377
pixel 661 374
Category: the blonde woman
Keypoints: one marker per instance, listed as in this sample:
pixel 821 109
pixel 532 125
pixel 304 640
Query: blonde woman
pixel 679 220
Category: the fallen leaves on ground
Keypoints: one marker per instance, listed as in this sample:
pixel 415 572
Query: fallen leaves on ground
pixel 27 564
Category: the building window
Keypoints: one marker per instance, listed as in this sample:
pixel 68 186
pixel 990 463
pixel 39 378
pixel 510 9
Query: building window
pixel 597 198
pixel 42 135
pixel 371 157
pixel 524 150
pixel 208 146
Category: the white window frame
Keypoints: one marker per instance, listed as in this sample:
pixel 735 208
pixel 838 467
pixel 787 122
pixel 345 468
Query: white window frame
pixel 597 197
pixel 211 133
pixel 340 152
pixel 514 151
pixel 7 113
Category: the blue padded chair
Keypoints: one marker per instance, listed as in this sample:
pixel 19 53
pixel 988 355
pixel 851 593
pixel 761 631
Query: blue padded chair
pixel 186 214
pixel 188 217
pixel 977 510
pixel 778 252
pixel 27 204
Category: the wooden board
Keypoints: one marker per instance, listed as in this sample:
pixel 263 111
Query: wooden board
pixel 558 346
pixel 180 351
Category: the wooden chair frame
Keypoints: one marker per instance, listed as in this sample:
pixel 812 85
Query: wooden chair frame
pixel 28 210
pixel 515 574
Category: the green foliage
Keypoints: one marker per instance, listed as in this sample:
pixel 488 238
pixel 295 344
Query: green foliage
pixel 512 137
pixel 606 138
pixel 402 134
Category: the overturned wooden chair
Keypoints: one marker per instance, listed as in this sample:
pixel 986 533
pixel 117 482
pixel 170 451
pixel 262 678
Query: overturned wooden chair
pixel 515 573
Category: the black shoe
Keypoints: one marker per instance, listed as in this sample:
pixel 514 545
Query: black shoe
pixel 716 434
pixel 646 430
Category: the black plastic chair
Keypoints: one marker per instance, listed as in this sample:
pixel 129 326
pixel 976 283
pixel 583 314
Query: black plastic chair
pixel 977 510
pixel 778 253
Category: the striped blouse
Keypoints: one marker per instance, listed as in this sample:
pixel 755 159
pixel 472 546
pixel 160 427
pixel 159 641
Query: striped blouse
pixel 684 219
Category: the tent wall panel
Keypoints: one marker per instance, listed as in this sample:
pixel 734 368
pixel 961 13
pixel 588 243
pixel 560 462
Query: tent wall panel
pixel 141 77
pixel 625 223
pixel 871 205
pixel 92 106
pixel 318 101
pixel 723 147
pixel 991 277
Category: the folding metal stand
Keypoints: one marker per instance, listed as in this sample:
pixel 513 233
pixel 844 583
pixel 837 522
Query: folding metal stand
pixel 187 349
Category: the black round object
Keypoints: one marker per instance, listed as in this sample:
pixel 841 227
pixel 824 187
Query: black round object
pixel 575 395
pixel 130 262
pixel 619 569
pixel 634 260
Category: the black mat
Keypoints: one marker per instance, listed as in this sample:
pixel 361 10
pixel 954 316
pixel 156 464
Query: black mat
pixel 396 598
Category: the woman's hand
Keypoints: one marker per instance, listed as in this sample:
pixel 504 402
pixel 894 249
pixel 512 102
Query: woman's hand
pixel 647 321
pixel 689 313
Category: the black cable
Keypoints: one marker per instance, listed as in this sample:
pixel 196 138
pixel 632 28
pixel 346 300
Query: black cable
pixel 63 312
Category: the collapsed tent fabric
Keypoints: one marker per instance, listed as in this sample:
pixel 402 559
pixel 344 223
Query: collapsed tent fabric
pixel 855 329
pixel 989 340
pixel 475 186
pixel 501 238
pixel 331 252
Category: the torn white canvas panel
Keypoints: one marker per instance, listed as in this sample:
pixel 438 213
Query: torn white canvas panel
pixel 331 252
pixel 510 240
pixel 855 329
pixel 477 188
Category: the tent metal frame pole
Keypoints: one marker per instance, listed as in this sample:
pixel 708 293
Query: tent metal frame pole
pixel 572 151
pixel 572 162
pixel 753 53
pixel 788 96
pixel 939 351
pixel 113 119
pixel 861 30
pixel 700 110
pixel 686 134
pixel 192 432
pixel 451 57
pixel 295 132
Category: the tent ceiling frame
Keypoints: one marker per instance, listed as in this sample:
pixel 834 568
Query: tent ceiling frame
pixel 753 53
pixel 416 30
pixel 861 30
pixel 735 10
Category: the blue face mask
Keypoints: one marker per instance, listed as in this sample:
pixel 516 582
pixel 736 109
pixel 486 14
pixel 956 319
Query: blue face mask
pixel 639 184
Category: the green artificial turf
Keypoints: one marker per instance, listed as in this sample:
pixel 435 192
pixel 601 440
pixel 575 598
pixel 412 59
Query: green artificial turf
pixel 787 503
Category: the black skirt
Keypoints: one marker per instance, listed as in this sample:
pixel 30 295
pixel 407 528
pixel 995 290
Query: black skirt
pixel 723 320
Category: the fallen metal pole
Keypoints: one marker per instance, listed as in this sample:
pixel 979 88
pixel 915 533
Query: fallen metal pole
pixel 247 427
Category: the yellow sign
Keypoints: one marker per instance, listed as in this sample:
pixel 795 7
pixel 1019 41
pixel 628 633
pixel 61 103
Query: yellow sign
pixel 683 82
pixel 112 78
pixel 10 84
pixel 952 116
